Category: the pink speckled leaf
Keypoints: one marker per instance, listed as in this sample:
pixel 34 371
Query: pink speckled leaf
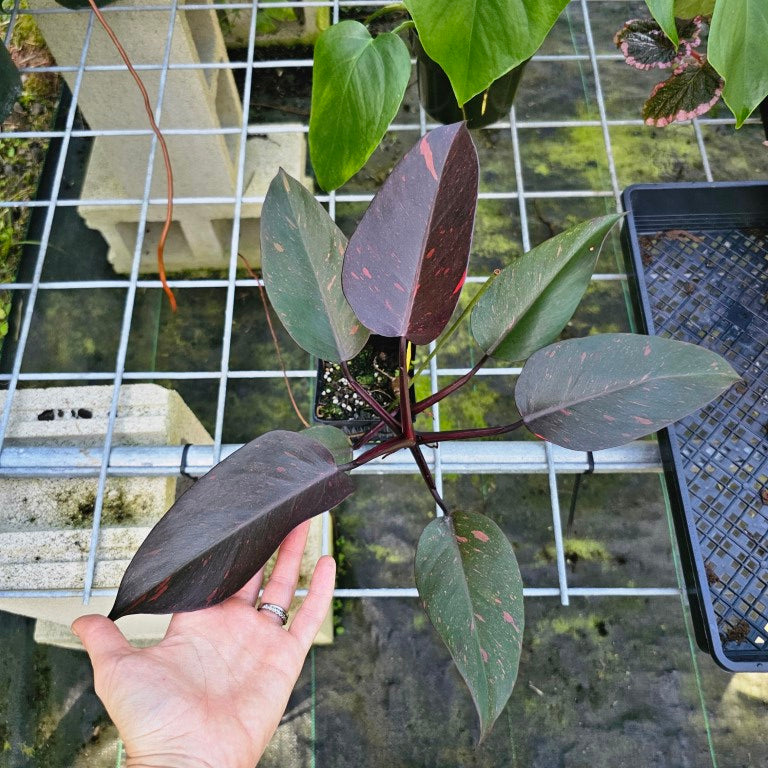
pixel 605 390
pixel 470 585
pixel 228 524
pixel 406 263
pixel 684 95
pixel 302 251
pixel 645 45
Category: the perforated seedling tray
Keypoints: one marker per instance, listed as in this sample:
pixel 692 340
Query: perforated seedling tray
pixel 697 258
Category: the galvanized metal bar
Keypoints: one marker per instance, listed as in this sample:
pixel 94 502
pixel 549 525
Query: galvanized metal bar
pixel 260 130
pixel 44 238
pixel 385 592
pixel 601 105
pixel 125 328
pixel 465 457
pixel 702 149
pixel 557 528
pixel 229 309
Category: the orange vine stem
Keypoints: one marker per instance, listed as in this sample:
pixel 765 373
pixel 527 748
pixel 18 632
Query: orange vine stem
pixel 163 147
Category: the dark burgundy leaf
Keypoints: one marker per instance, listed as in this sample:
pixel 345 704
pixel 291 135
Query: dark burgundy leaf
pixel 646 46
pixel 224 528
pixel 684 95
pixel 406 263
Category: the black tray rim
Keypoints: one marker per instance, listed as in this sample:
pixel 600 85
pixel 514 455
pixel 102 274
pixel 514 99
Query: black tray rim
pixel 697 586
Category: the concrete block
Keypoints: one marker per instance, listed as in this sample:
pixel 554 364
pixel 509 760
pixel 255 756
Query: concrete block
pixel 61 564
pixel 147 414
pixel 45 523
pixel 204 164
pixel 303 30
pixel 200 236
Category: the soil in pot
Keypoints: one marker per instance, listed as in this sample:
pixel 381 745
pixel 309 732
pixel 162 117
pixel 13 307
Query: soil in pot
pixel 439 101
pixel 375 368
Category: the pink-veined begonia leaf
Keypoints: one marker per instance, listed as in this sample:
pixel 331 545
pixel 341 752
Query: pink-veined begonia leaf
pixel 683 95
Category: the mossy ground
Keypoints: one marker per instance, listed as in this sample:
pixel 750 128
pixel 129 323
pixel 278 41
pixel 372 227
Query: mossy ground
pixel 21 160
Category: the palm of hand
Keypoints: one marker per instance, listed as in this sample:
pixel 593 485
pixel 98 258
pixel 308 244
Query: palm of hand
pixel 212 692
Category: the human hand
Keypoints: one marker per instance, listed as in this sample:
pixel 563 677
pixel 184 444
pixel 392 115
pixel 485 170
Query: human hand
pixel 211 693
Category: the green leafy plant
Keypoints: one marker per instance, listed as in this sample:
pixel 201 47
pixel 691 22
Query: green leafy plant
pixel 359 80
pixel 400 275
pixel 736 64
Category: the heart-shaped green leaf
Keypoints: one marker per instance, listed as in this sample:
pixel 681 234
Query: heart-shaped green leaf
pixel 228 524
pixel 10 83
pixel 602 391
pixel 477 41
pixel 664 13
pixel 302 252
pixel 684 95
pixel 358 83
pixel 470 584
pixel 687 9
pixel 531 300
pixel 407 261
pixel 738 50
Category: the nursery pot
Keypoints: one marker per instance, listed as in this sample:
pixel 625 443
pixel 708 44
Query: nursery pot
pixel 437 97
pixel 337 405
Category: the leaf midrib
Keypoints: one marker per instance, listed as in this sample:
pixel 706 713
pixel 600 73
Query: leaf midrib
pixel 330 313
pixel 475 635
pixel 613 390
pixel 242 526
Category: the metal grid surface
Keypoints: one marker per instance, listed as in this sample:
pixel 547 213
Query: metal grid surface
pixel 115 461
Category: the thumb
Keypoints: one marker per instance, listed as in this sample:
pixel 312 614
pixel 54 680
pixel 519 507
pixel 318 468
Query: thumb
pixel 101 638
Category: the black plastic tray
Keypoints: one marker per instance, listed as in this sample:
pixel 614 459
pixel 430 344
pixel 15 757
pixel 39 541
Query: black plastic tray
pixel 697 259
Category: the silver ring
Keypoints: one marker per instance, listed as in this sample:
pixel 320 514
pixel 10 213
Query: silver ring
pixel 276 609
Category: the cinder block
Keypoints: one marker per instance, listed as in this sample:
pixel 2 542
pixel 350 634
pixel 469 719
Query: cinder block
pixel 304 30
pixel 45 523
pixel 198 100
pixel 63 556
pixel 201 235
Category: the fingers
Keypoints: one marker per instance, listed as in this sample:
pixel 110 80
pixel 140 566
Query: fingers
pixel 285 575
pixel 315 607
pixel 101 638
pixel 250 591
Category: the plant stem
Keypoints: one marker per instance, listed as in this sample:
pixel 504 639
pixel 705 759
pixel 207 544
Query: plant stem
pixel 403 27
pixel 428 479
pixel 406 421
pixel 422 405
pixel 460 319
pixel 275 342
pixel 371 433
pixel 370 400
pixel 382 449
pixel 466 434
pixel 163 147
pixel 393 8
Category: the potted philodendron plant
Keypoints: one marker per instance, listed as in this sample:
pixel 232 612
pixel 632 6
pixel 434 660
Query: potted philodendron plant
pixel 400 275
pixel 358 80
pixel 735 63
pixel 375 368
